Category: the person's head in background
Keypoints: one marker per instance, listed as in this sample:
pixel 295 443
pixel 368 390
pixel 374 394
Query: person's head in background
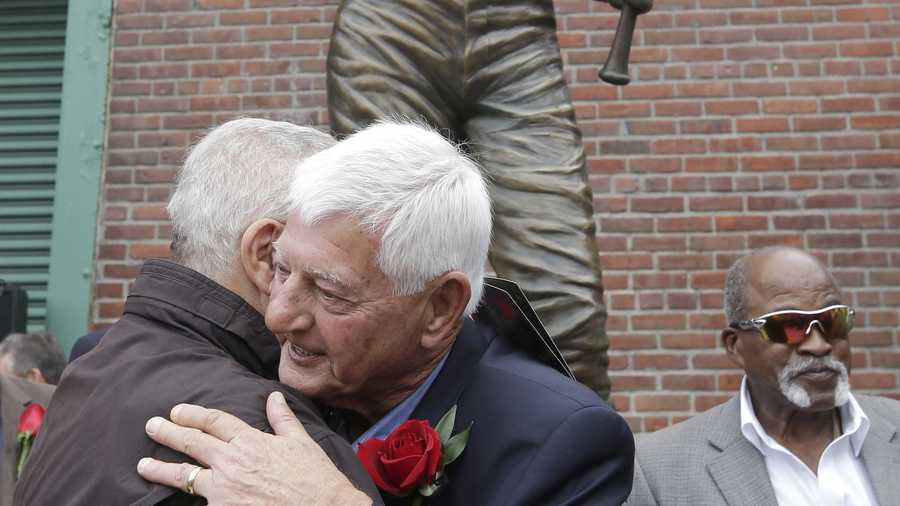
pixel 36 357
pixel 233 184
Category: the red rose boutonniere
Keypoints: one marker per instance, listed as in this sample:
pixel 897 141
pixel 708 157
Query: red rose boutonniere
pixel 412 458
pixel 29 425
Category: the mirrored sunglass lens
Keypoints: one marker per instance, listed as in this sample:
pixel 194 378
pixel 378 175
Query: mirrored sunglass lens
pixel 774 330
pixel 839 322
pixel 794 329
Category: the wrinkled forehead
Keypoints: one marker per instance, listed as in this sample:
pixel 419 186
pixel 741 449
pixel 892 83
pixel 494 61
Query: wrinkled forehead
pixel 789 280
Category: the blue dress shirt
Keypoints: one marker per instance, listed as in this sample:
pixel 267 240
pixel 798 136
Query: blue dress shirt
pixel 401 412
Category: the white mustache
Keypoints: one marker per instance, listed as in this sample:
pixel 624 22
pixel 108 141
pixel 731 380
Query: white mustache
pixel 806 364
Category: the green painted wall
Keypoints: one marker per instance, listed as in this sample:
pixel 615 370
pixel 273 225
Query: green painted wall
pixel 82 129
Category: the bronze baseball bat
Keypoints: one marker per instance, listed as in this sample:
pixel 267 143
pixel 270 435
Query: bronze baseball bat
pixel 615 71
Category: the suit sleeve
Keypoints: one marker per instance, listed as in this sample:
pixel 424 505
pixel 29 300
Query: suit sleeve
pixel 586 460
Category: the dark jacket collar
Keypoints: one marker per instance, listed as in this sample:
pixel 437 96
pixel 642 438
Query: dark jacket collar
pixel 470 345
pixel 206 309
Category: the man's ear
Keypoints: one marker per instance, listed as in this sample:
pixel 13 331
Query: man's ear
pixel 35 375
pixel 446 305
pixel 256 252
pixel 733 345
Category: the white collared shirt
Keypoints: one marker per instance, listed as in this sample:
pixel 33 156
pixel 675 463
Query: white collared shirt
pixel 842 479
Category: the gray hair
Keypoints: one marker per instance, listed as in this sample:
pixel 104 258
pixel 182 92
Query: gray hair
pixel 38 350
pixel 736 290
pixel 406 183
pixel 238 173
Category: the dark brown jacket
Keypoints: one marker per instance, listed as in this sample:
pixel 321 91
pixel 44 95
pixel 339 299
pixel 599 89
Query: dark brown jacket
pixel 183 338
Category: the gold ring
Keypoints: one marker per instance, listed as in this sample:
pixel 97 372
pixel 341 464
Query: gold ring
pixel 189 488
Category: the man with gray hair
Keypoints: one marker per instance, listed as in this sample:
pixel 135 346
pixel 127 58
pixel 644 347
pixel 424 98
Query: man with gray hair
pixel 794 435
pixel 377 274
pixel 36 357
pixel 192 331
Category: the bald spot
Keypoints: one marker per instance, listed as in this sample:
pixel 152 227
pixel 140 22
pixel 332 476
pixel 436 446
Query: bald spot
pixel 788 278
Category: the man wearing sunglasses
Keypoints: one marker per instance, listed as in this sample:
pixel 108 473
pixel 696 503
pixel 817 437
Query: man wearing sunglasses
pixel 794 435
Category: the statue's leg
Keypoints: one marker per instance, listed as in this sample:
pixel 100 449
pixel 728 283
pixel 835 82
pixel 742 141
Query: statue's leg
pixel 424 59
pixel 395 58
pixel 523 130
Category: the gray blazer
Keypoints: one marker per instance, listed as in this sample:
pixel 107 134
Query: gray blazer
pixel 707 461
pixel 15 394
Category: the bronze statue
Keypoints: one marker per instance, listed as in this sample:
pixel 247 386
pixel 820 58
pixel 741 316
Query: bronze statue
pixel 489 73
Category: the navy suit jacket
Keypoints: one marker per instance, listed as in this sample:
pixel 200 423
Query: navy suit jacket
pixel 538 437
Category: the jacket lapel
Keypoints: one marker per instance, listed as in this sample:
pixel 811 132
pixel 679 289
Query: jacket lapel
pixel 448 387
pixel 446 390
pixel 881 455
pixel 739 471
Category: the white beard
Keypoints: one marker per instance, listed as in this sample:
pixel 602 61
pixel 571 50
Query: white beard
pixel 797 395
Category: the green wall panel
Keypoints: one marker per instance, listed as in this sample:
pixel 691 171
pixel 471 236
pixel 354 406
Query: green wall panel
pixel 80 151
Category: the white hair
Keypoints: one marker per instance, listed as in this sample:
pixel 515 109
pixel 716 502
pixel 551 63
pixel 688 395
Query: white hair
pixel 404 183
pixel 238 173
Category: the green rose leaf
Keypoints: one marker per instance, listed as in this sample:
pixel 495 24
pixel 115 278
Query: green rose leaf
pixel 445 425
pixel 455 446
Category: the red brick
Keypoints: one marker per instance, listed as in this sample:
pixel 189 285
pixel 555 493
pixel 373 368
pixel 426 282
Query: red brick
pixel 689 382
pixel 217 35
pixel 659 281
pixel 622 382
pixel 629 261
pixel 689 341
pixel 129 232
pixel 219 69
pixel 733 223
pixel 764 241
pixel 685 262
pixel 828 241
pixel 687 224
pixel 873 380
pixel 143 251
pixel 707 280
pixel 798 222
pixel 681 108
pixel 651 300
pixel 659 243
pixel 111 309
pixel 658 321
pixel 830 201
pixel 189 20
pixel 626 225
pixel 632 341
pixel 661 402
pixel 712 361
pixel 876 122
pixel 657 204
pixel 712 322
pixel 769 203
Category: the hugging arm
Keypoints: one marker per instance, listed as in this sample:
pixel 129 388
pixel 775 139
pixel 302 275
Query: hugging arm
pixel 244 465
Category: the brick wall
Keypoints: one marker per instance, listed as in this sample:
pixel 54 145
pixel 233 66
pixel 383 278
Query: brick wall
pixel 749 123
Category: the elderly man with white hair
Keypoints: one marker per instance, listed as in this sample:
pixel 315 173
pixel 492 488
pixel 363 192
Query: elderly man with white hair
pixel 380 265
pixel 192 331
